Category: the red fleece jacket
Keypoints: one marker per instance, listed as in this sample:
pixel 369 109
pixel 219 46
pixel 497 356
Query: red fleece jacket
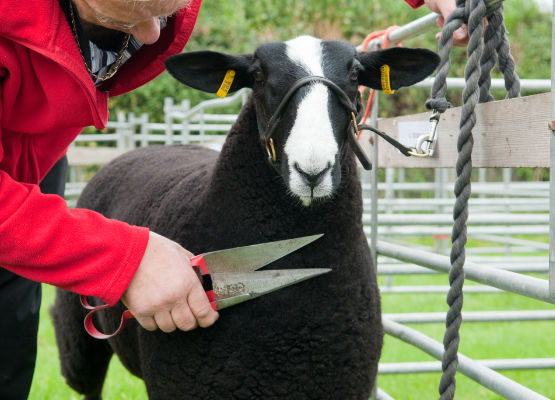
pixel 46 98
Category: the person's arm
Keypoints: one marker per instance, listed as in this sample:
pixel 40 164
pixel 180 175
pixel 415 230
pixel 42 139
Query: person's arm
pixel 81 251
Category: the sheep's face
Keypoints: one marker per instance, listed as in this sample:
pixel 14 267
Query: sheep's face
pixel 310 137
pixel 312 130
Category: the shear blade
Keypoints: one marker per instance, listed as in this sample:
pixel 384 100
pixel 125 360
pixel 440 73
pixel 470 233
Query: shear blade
pixel 231 301
pixel 232 288
pixel 251 258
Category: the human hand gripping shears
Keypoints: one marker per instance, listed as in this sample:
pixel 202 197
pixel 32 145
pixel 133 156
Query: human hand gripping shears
pixel 230 277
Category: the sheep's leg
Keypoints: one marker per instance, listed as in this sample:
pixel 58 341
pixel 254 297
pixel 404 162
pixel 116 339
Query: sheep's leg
pixel 84 359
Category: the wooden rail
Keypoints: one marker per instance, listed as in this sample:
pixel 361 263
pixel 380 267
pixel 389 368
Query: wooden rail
pixel 508 133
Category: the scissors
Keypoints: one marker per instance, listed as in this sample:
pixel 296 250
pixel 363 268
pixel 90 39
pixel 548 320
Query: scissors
pixel 229 277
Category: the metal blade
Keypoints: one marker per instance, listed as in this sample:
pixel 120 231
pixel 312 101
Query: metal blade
pixel 233 286
pixel 231 301
pixel 250 258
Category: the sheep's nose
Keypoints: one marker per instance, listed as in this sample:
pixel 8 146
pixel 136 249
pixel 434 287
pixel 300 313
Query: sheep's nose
pixel 312 179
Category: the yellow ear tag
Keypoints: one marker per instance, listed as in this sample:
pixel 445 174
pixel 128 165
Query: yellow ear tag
pixel 226 84
pixel 386 84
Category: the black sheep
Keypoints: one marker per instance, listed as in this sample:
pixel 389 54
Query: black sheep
pixel 320 339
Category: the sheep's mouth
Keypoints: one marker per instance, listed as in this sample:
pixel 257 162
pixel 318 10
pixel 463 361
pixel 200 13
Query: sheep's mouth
pixel 310 188
pixel 308 201
pixel 308 195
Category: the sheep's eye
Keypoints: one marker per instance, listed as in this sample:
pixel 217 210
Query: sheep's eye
pixel 353 75
pixel 258 75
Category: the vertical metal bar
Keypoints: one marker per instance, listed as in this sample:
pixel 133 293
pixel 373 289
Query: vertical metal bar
pixel 168 120
pixel 482 174
pixel 185 131
pixel 401 179
pixel 389 184
pixel 144 130
pixel 552 167
pixel 374 180
pixel 507 179
pixel 374 199
pixel 121 130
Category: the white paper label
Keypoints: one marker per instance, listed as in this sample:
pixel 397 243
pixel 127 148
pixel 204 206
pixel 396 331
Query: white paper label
pixel 409 132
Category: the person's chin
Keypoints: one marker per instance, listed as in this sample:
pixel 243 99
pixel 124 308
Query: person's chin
pixel 105 38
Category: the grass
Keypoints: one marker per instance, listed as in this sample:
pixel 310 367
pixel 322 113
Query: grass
pixel 48 382
pixel 478 341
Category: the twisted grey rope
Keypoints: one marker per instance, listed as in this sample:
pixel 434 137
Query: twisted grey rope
pixel 453 22
pixel 496 46
pixel 471 95
pixel 478 83
pixel 492 40
pixel 507 63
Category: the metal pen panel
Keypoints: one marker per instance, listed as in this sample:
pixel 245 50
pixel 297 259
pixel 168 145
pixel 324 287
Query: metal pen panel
pixel 552 167
pixel 484 376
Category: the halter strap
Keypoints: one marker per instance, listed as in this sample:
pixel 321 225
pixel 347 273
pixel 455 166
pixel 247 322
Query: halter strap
pixel 268 131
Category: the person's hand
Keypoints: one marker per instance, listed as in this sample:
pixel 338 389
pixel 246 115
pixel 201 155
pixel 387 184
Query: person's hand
pixel 165 291
pixel 444 8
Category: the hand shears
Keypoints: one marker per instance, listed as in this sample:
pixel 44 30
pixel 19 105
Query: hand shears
pixel 229 276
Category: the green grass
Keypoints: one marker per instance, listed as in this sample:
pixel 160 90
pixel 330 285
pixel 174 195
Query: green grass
pixel 48 382
pixel 478 341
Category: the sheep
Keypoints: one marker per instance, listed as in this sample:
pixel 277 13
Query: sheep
pixel 320 339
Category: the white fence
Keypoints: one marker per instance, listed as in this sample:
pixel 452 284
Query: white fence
pixel 183 124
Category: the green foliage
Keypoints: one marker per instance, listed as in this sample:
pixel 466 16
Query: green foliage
pixel 239 26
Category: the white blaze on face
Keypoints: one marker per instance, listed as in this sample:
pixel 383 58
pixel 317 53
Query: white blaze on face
pixel 311 144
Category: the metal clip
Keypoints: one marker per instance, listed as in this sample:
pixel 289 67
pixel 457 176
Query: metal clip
pixel 270 150
pixel 425 145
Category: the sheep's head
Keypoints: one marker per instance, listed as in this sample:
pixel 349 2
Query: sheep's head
pixel 308 130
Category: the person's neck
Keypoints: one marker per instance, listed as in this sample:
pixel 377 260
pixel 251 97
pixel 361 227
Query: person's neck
pixel 104 38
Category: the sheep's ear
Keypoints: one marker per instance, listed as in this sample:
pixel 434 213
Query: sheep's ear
pixel 206 70
pixel 406 66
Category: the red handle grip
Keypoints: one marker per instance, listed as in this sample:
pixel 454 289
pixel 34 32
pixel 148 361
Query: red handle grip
pixel 89 324
pixel 198 261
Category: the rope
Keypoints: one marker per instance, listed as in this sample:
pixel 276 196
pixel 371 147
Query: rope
pixel 482 57
pixel 496 46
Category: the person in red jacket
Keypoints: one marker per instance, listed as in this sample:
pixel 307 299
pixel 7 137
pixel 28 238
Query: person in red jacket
pixel 60 61
pixel 444 8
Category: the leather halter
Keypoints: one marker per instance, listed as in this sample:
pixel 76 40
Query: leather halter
pixel 267 132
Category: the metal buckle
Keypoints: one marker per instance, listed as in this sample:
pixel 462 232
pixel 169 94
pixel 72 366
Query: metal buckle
pixel 355 125
pixel 425 145
pixel 270 149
